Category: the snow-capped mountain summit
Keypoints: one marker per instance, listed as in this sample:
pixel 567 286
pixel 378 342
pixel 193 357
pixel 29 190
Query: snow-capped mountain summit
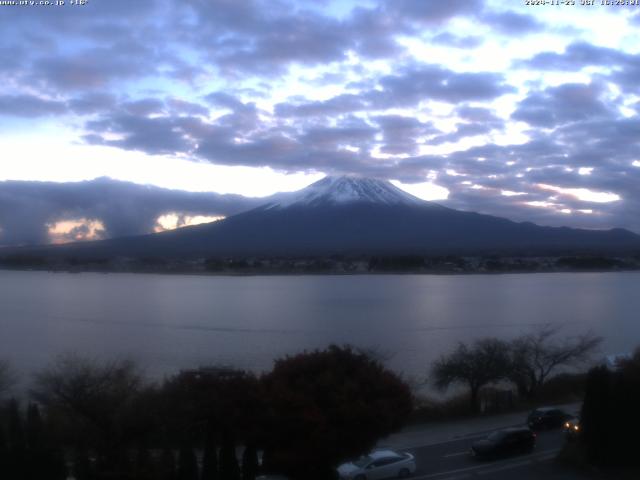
pixel 343 190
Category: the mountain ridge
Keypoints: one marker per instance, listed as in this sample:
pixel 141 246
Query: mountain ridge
pixel 349 215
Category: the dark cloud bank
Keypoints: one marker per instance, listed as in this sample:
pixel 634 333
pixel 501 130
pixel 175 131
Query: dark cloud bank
pixel 26 208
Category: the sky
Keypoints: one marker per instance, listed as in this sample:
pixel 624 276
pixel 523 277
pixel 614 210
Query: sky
pixel 121 117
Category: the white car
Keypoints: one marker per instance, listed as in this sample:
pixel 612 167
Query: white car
pixel 379 464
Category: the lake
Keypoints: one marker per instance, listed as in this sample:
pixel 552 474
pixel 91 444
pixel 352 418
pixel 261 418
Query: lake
pixel 169 322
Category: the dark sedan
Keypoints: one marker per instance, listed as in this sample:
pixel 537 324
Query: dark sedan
pixel 546 418
pixel 505 442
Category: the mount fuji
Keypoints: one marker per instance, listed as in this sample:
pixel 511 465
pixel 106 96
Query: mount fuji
pixel 333 191
pixel 351 215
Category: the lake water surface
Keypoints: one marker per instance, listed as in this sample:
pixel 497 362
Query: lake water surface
pixel 168 322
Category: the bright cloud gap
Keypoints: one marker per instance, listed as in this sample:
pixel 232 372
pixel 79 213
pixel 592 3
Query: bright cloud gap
pixel 76 230
pixel 173 220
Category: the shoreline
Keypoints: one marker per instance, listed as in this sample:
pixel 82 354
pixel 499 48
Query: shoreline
pixel 315 274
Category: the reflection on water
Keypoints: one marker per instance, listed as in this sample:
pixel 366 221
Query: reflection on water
pixel 171 322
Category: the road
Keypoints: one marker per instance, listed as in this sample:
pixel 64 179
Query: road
pixel 451 460
pixel 442 450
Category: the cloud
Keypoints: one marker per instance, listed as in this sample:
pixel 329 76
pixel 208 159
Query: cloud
pixel 92 103
pixel 30 106
pixel 401 133
pixel 416 83
pixel 451 40
pixel 11 58
pixel 224 100
pixel 29 209
pixel 462 130
pixel 622 68
pixel 253 37
pixel 351 132
pixel 69 50
pixel 589 158
pixel 329 136
pixel 180 106
pixel 511 23
pixel 566 103
pixel 93 68
pixel 477 114
pixel 576 56
pixel 406 88
pixel 344 103
pixel 373 31
pixel 266 37
pixel 433 12
pixel 161 135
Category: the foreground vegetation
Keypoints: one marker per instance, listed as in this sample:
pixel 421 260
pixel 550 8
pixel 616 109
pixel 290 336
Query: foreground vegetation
pixel 312 412
pixel 610 415
pixel 526 362
pixel 606 445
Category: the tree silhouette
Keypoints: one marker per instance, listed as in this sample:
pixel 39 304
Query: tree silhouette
pixel 484 362
pixel 229 468
pixel 4 453
pixel 7 377
pixel 98 401
pixel 610 414
pixel 329 406
pixel 167 465
pixel 187 464
pixel 17 465
pixel 44 459
pixel 534 357
pixel 144 465
pixel 249 463
pixel 82 467
pixel 210 457
pixel 214 406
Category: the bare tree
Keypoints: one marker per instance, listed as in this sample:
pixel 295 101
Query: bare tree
pixel 98 398
pixel 484 362
pixel 534 357
pixel 85 386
